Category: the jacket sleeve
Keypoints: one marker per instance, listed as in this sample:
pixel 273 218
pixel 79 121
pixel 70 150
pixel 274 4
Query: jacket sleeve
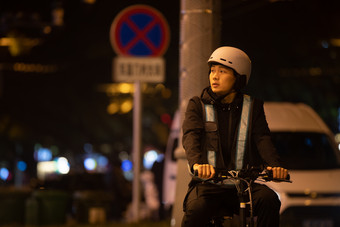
pixel 262 138
pixel 193 130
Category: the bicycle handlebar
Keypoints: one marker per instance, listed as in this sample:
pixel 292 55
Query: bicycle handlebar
pixel 249 174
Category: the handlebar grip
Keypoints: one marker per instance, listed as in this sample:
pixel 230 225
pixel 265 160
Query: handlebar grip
pixel 270 175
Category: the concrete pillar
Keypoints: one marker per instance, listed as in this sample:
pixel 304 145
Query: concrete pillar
pixel 200 27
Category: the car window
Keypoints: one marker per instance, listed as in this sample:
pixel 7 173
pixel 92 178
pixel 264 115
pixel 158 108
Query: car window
pixel 305 150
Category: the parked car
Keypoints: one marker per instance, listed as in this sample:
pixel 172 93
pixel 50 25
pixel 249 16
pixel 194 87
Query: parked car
pixel 307 148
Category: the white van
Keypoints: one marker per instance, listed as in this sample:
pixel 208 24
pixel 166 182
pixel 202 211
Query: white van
pixel 309 151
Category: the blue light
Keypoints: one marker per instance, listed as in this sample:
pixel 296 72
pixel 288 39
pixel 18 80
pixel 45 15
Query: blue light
pixel 90 164
pixel 126 165
pixel 63 166
pixel 4 173
pixel 22 166
pixel 324 44
pixel 339 119
pixel 308 142
pixel 88 148
pixel 149 158
pixel 102 161
pixel 43 154
pixel 128 175
pixel 160 157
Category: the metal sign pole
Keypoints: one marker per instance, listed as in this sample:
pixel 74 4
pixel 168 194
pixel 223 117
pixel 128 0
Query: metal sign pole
pixel 137 107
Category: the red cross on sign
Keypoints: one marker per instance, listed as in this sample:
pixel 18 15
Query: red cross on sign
pixel 140 31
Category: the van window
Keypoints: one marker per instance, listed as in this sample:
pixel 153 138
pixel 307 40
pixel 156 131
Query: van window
pixel 305 150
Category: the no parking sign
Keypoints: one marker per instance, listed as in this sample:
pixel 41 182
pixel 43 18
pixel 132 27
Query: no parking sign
pixel 139 35
pixel 139 30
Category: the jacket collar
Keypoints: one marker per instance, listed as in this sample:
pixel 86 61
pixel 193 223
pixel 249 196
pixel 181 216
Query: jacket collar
pixel 209 97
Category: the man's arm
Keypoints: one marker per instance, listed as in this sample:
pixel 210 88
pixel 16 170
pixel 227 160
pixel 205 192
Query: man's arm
pixel 261 136
pixel 264 143
pixel 193 131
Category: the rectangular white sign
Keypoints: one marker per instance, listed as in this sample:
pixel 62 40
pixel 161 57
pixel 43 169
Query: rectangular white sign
pixel 144 69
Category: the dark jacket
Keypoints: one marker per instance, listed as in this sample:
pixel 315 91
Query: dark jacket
pixel 197 141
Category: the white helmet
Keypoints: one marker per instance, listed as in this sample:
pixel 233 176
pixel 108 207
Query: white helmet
pixel 233 58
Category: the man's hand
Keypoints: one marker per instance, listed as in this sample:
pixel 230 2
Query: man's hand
pixel 278 172
pixel 205 171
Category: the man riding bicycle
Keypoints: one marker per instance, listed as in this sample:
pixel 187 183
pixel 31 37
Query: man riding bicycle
pixel 226 129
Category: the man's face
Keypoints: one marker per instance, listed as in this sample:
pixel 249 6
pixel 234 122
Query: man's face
pixel 221 79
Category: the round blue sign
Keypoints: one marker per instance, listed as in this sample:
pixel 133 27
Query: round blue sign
pixel 141 31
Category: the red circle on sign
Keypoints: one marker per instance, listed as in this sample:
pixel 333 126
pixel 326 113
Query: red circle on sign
pixel 123 46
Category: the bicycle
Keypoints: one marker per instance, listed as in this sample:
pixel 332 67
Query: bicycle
pixel 243 180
